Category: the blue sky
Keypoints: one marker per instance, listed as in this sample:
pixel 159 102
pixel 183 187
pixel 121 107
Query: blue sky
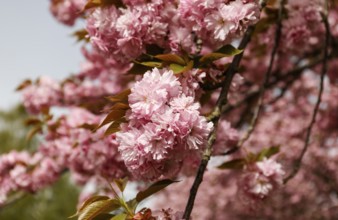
pixel 33 43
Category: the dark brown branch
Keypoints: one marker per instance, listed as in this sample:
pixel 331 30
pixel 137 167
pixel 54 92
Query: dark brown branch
pixel 316 108
pixel 214 117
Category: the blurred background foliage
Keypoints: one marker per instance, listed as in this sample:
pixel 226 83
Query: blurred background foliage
pixel 53 203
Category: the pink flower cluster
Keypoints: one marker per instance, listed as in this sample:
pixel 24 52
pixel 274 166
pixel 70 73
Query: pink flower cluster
pixel 303 27
pixel 165 133
pixel 84 153
pixel 68 145
pixel 216 197
pixel 99 76
pixel 67 11
pixel 166 214
pixel 227 137
pixel 21 171
pixel 44 93
pixel 165 127
pixel 125 33
pixel 262 179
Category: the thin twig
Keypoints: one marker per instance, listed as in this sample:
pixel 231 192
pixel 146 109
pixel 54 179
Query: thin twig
pixel 263 87
pixel 316 108
pixel 293 75
pixel 284 89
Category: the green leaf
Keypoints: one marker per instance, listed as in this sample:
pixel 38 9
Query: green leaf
pixel 121 216
pixel 171 58
pixel 88 202
pixel 177 68
pixel 225 51
pixel 132 204
pixel 91 200
pixel 121 183
pixel 267 152
pixel 229 50
pixel 233 164
pixel 154 188
pixel 98 207
pixel 189 66
pixel 211 57
pixel 151 64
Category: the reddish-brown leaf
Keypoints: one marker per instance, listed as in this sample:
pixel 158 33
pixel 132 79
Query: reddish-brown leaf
pixel 24 84
pixel 121 97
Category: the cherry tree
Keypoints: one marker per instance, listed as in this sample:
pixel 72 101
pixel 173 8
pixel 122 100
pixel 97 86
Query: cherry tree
pixel 233 103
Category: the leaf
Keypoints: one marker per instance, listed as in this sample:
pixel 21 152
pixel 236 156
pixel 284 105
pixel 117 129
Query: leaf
pixel 87 126
pixel 225 51
pixel 32 121
pixel 45 110
pixel 208 58
pixel 23 85
pixel 138 69
pixel 116 113
pixel 81 35
pixel 98 207
pixel 267 152
pixel 233 164
pixel 154 188
pixel 121 216
pixel 229 50
pixel 189 66
pixel 114 127
pixel 152 64
pixel 171 58
pixel 121 97
pixel 33 131
pixel 177 68
pixel 121 183
pixel 102 3
pixel 88 202
pixel 132 204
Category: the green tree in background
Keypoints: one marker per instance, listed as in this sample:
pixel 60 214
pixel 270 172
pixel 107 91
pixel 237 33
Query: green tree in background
pixel 54 203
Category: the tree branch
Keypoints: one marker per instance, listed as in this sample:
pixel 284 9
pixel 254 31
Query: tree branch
pixel 316 108
pixel 214 117
pixel 289 78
